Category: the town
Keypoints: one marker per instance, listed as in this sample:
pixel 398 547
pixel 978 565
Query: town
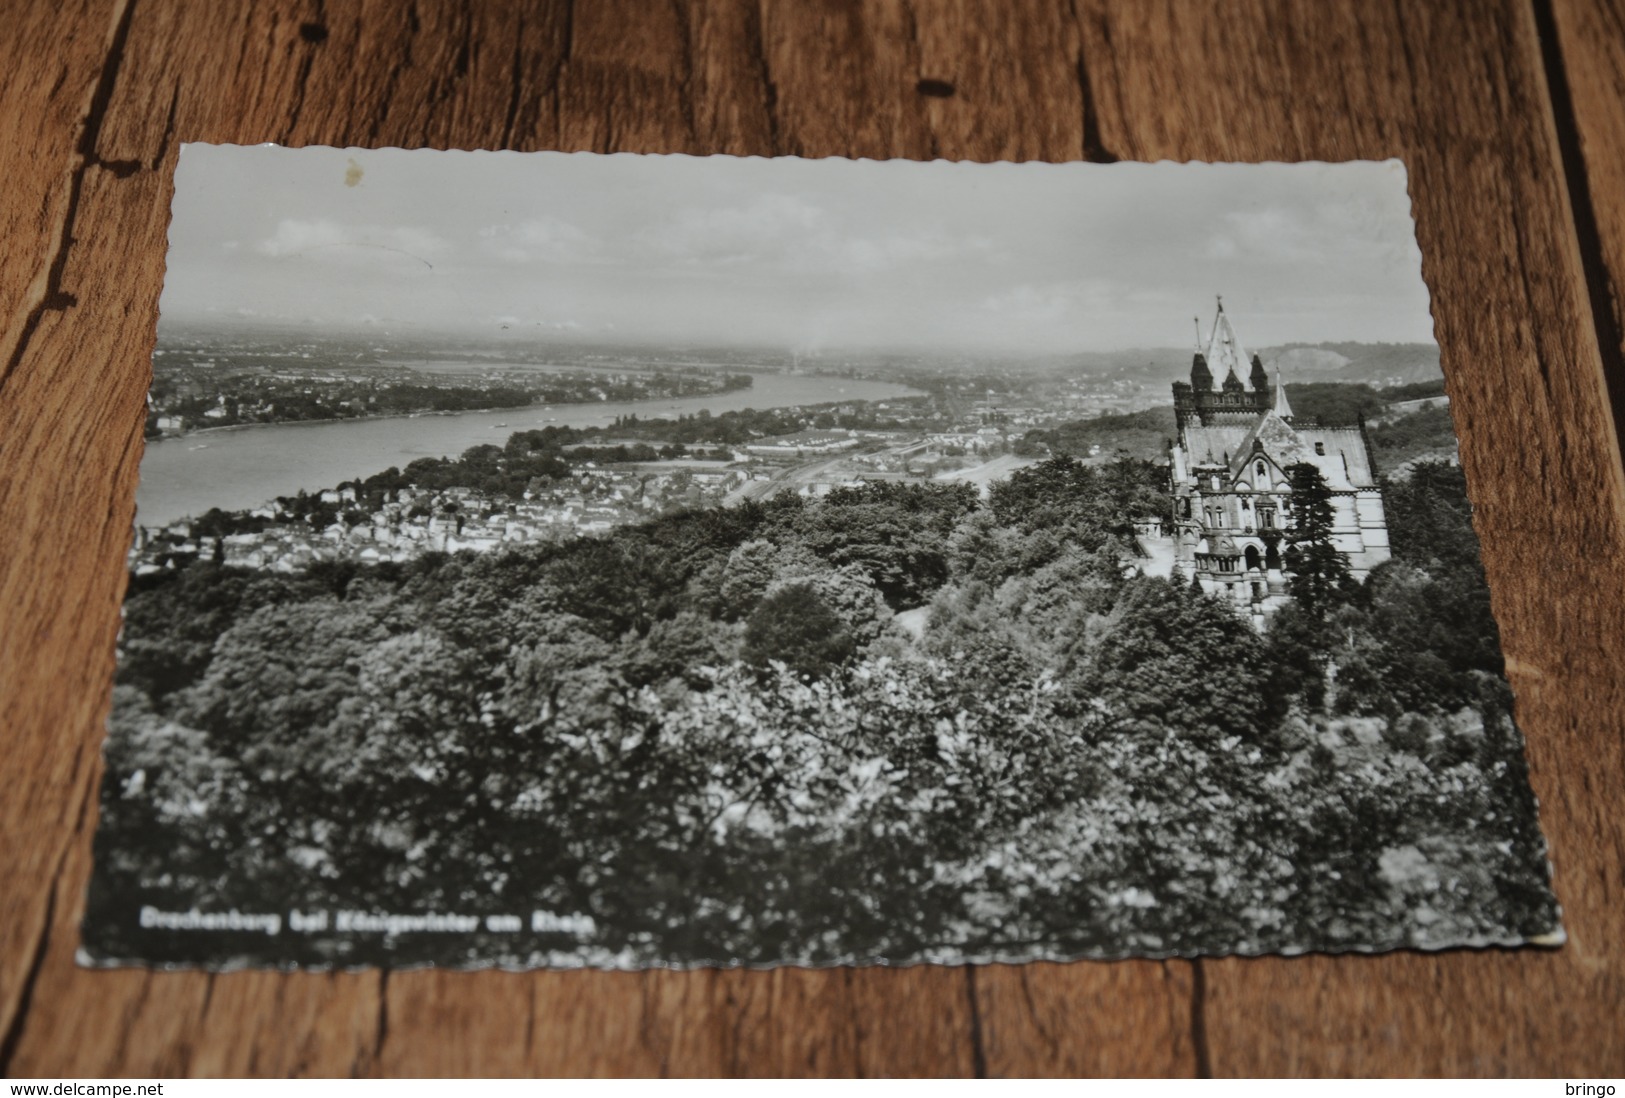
pixel 614 481
pixel 202 383
pixel 972 422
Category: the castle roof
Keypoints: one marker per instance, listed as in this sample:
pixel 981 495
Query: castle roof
pixel 1224 350
pixel 1342 457
pixel 1213 443
pixel 1338 452
pixel 1229 430
pixel 1346 462
pixel 1277 438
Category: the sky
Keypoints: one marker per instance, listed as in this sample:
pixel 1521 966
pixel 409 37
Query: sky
pixel 807 255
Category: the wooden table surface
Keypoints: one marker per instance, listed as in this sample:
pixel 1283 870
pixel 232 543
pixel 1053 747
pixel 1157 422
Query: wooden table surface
pixel 1510 117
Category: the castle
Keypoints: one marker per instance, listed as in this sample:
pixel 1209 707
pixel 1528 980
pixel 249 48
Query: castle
pixel 1232 503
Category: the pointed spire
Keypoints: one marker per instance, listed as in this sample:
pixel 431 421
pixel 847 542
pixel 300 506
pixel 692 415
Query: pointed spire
pixel 1201 376
pixel 1259 380
pixel 1225 352
pixel 1282 408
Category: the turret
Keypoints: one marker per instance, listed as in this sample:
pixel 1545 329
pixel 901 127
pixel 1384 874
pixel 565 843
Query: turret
pixel 1259 378
pixel 1201 376
pixel 1282 408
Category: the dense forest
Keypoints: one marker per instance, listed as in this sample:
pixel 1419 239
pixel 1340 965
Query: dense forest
pixel 898 722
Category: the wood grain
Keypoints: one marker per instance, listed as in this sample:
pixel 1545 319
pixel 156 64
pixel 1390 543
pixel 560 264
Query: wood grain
pixel 99 95
pixel 1584 43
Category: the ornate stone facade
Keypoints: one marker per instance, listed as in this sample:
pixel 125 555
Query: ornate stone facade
pixel 1232 501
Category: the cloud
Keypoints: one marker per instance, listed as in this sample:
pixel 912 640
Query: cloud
pixel 770 228
pixel 786 233
pixel 1312 233
pixel 545 239
pixel 1028 303
pixel 327 240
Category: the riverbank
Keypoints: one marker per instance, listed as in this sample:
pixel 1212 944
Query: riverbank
pixel 347 419
pixel 418 415
pixel 243 466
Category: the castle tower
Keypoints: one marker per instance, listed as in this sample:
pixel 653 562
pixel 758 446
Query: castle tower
pixel 1232 512
pixel 1199 402
pixel 1201 376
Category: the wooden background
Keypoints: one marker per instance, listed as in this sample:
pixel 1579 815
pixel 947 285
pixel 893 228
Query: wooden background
pixel 1509 115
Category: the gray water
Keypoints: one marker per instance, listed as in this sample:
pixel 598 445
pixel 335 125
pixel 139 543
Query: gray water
pixel 239 468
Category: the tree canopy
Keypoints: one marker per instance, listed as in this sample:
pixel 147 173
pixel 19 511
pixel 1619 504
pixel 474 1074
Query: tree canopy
pixel 897 722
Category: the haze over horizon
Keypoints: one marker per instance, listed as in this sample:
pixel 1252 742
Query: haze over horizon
pixel 805 255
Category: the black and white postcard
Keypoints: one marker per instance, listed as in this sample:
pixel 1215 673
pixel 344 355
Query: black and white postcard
pixel 562 559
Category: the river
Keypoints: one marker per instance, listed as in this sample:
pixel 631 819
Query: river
pixel 243 467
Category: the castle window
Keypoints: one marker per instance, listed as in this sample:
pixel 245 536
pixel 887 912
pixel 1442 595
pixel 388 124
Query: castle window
pixel 1320 448
pixel 1259 469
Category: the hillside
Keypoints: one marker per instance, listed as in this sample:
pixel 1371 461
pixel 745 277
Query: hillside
pixel 1146 433
pixel 1380 364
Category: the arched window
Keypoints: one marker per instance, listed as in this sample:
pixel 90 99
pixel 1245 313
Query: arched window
pixel 1259 469
pixel 1252 560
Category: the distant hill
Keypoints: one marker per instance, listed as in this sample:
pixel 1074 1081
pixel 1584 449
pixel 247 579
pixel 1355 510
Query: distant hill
pixel 1423 432
pixel 1380 364
pixel 1302 362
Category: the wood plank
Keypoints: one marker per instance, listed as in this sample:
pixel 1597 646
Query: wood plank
pixel 1454 89
pixel 1041 1019
pixel 71 410
pixel 1584 48
pixel 51 67
pixel 1457 91
pixel 783 1022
